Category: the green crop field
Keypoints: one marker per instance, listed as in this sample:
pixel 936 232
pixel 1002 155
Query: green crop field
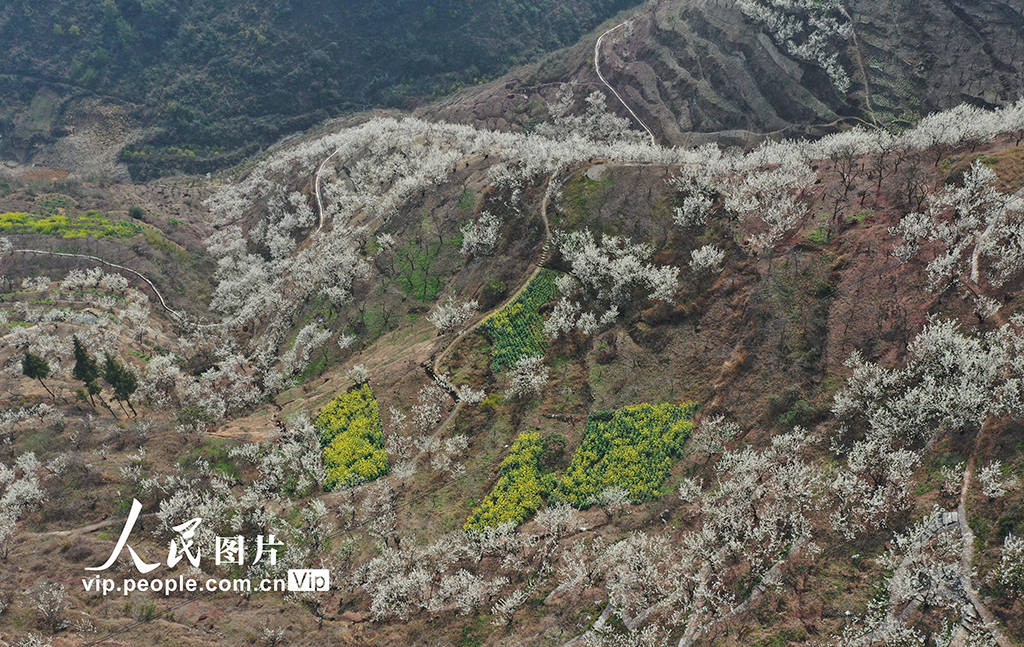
pixel 632 448
pixel 516 331
pixel 353 441
pixel 520 488
pixel 91 224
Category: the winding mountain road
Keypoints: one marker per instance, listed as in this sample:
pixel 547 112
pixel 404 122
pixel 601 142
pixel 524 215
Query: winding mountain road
pixel 316 189
pixel 597 68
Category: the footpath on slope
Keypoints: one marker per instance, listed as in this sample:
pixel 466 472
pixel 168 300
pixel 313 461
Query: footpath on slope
pixel 95 259
pixel 597 68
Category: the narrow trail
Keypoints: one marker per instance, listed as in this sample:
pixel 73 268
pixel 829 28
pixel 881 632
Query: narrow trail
pixel 316 189
pixel 597 68
pixel 92 527
pixel 860 64
pixel 538 266
pixel 95 259
pixel 967 558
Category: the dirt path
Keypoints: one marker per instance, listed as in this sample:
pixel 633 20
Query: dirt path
pixel 860 64
pixel 95 259
pixel 92 527
pixel 597 68
pixel 316 189
pixel 967 558
pixel 538 266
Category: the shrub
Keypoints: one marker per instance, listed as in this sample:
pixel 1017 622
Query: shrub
pixel 520 488
pixel 554 450
pixel 353 441
pixel 632 448
pixel 820 236
pixel 492 293
pixel 517 331
pixel 51 602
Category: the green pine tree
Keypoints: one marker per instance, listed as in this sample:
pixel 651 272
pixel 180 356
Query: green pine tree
pixel 35 367
pixel 122 380
pixel 86 369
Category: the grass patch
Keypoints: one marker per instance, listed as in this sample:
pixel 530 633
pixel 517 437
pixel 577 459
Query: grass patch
pixel 54 203
pixel 583 196
pixel 860 217
pixel 467 199
pixel 517 331
pixel 632 448
pixel 820 236
pixel 215 451
pixel 414 263
pixel 157 241
pixel 41 441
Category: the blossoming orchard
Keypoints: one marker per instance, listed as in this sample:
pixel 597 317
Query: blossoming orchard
pixel 549 384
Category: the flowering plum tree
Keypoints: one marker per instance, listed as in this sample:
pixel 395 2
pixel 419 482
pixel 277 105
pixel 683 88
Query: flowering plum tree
pixel 707 259
pixel 21 493
pixel 951 382
pixel 527 378
pixel 813 31
pixel 970 224
pixel 450 315
pixel 480 237
pixel 610 272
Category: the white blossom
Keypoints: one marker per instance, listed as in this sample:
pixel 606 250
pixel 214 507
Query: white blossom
pixel 993 483
pixel 1010 571
pixel 706 259
pixel 971 223
pixel 358 374
pixel 527 378
pixel 451 314
pixel 811 30
pixel 480 237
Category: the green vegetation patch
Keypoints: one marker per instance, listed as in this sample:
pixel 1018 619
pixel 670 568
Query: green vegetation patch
pixel 191 67
pixel 820 236
pixel 584 197
pixel 54 203
pixel 352 438
pixel 216 452
pixel 517 331
pixel 632 448
pixel 417 264
pixel 520 488
pixel 91 224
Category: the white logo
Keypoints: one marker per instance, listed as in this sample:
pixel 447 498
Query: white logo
pixel 309 579
pixel 229 550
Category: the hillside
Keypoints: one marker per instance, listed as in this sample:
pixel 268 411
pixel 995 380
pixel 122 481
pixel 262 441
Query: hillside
pixel 551 361
pixel 187 71
pixel 706 70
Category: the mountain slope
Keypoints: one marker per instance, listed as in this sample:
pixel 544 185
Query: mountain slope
pixel 696 70
pixel 215 79
pixel 552 383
